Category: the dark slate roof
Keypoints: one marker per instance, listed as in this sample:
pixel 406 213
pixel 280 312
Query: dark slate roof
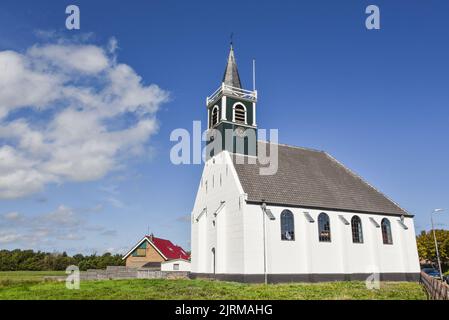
pixel 231 75
pixel 312 179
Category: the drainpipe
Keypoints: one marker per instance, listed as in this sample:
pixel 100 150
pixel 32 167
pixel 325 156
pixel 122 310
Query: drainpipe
pixel 264 247
pixel 265 212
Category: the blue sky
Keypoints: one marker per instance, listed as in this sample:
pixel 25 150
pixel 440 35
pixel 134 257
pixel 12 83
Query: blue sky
pixel 376 100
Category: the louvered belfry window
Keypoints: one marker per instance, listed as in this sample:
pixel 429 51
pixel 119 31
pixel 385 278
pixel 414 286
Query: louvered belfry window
pixel 240 113
pixel 214 116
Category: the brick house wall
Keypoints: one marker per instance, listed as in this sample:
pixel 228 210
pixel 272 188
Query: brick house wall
pixel 151 255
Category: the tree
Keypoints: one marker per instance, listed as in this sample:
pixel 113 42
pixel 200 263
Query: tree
pixel 426 246
pixel 28 260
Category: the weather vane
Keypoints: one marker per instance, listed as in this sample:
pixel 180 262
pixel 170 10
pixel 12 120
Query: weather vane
pixel 232 38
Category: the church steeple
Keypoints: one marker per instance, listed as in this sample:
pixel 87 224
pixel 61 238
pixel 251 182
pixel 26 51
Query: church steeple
pixel 231 75
pixel 231 114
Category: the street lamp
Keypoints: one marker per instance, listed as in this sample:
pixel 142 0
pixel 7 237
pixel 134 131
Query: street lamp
pixel 435 239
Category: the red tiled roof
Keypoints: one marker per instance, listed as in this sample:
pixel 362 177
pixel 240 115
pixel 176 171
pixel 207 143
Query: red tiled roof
pixel 168 249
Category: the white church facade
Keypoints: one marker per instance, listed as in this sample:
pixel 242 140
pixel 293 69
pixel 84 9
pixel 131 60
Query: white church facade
pixel 313 220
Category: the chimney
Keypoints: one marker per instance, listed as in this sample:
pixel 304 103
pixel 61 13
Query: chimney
pixel 151 237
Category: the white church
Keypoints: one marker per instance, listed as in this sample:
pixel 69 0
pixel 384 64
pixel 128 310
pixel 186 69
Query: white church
pixel 313 220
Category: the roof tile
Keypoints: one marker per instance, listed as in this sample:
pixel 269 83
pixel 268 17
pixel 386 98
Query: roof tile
pixel 312 179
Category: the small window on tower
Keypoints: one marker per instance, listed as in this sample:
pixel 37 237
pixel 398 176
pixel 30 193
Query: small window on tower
pixel 240 113
pixel 215 116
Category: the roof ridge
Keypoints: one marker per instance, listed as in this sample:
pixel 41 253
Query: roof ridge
pixel 364 181
pixel 290 146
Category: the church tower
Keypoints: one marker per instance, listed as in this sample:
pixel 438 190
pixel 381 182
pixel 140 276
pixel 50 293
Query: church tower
pixel 231 115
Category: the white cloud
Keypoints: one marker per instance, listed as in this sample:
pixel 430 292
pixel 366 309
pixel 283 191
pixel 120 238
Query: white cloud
pixel 12 216
pixel 22 85
pixel 109 233
pixel 44 229
pixel 112 45
pixel 71 237
pixel 86 92
pixel 62 216
pixel 85 58
pixel 8 237
pixel 115 202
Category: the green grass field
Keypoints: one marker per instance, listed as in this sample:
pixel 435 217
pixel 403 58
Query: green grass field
pixel 30 285
pixel 23 276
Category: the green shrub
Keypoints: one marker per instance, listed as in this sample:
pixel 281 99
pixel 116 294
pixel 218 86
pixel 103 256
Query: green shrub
pixel 28 260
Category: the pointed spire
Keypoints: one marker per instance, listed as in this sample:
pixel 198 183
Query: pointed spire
pixel 231 76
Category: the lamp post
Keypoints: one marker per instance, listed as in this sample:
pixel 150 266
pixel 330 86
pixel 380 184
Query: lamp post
pixel 436 242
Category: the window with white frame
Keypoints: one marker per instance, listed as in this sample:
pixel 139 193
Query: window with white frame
pixel 386 231
pixel 324 228
pixel 287 226
pixel 239 113
pixel 357 233
pixel 176 266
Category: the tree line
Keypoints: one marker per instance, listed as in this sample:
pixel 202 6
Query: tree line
pixel 29 260
pixel 427 251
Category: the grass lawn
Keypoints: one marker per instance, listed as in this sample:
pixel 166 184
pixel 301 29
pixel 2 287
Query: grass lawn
pixel 30 285
pixel 25 276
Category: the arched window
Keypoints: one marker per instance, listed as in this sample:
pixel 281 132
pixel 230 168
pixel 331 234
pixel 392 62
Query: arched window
pixel 324 228
pixel 239 113
pixel 386 231
pixel 287 226
pixel 357 233
pixel 215 116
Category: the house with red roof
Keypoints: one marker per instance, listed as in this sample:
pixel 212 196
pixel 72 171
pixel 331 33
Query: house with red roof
pixel 152 252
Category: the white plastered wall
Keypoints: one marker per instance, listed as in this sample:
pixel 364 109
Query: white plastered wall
pixel 221 230
pixel 306 254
